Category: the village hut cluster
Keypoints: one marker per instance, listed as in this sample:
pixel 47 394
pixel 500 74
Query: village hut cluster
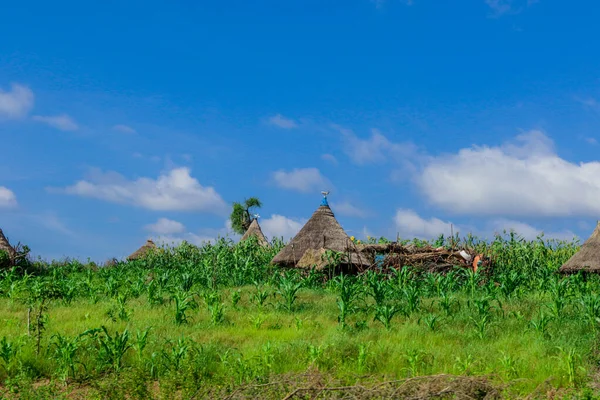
pixel 322 242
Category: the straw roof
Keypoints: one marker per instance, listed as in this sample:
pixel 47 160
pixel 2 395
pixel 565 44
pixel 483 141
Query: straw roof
pixel 321 232
pixel 587 259
pixel 254 230
pixel 142 251
pixel 5 245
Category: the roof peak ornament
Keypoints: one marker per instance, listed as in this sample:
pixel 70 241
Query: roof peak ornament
pixel 324 201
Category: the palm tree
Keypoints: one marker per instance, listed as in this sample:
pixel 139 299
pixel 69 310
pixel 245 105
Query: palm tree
pixel 240 215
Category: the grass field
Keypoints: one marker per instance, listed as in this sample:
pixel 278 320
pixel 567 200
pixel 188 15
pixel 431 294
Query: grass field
pixel 216 321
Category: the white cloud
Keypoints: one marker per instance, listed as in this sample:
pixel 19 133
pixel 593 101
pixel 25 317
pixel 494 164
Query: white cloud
pixel 523 178
pixel 499 7
pixel 410 225
pixel 175 190
pixel 526 231
pixel 62 122
pixel 381 3
pixel 282 122
pixel 301 179
pixel 376 149
pixel 588 103
pixel 200 238
pixel 330 158
pixel 348 209
pixel 17 102
pixel 504 7
pixel 278 226
pixel 52 222
pixel 165 226
pixel 124 129
pixel 7 198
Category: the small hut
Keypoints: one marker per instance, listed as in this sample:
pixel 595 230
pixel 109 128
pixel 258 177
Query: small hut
pixel 5 245
pixel 254 230
pixel 587 259
pixel 142 251
pixel 321 232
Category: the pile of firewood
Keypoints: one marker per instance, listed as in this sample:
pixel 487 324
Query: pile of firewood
pixel 427 258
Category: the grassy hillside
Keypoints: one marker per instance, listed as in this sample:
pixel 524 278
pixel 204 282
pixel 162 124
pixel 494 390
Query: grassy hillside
pixel 218 321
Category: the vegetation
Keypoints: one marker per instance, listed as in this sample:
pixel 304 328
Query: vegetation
pixel 189 322
pixel 240 215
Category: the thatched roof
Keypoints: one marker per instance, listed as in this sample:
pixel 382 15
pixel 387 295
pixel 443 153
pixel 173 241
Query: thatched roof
pixel 587 259
pixel 4 245
pixel 254 230
pixel 321 232
pixel 142 251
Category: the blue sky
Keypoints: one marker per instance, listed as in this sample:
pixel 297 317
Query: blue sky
pixel 122 121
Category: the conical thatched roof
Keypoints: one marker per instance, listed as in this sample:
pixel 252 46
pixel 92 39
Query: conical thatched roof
pixel 142 251
pixel 321 232
pixel 587 259
pixel 4 245
pixel 254 230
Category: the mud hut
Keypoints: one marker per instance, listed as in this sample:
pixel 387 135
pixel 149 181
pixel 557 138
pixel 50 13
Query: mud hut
pixel 254 230
pixel 142 251
pixel 321 232
pixel 5 245
pixel 587 259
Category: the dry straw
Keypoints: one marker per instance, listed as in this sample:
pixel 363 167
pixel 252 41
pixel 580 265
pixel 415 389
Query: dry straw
pixel 587 259
pixel 254 230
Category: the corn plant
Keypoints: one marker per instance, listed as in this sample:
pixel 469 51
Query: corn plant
pixel 183 303
pixel 236 296
pixel 288 290
pixel 8 353
pixel 412 298
pixel 153 291
pixel 378 288
pixel 385 313
pixel 119 311
pixel 464 365
pixel 141 341
pixel 315 354
pixel 260 296
pixel 570 360
pixel 64 354
pixel 541 324
pixel 112 348
pixel 176 354
pixel 361 360
pixel 349 291
pixel 559 293
pixel 449 303
pixel 217 313
pixel 481 324
pixel 472 281
pixel 418 362
pixel 511 365
pixel 590 306
pixel 432 321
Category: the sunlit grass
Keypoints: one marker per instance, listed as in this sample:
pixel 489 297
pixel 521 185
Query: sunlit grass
pixel 520 324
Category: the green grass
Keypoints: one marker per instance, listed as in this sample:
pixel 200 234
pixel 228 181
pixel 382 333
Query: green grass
pixel 495 328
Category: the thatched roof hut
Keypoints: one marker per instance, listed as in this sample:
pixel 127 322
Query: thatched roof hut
pixel 587 259
pixel 5 245
pixel 320 233
pixel 254 230
pixel 142 251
